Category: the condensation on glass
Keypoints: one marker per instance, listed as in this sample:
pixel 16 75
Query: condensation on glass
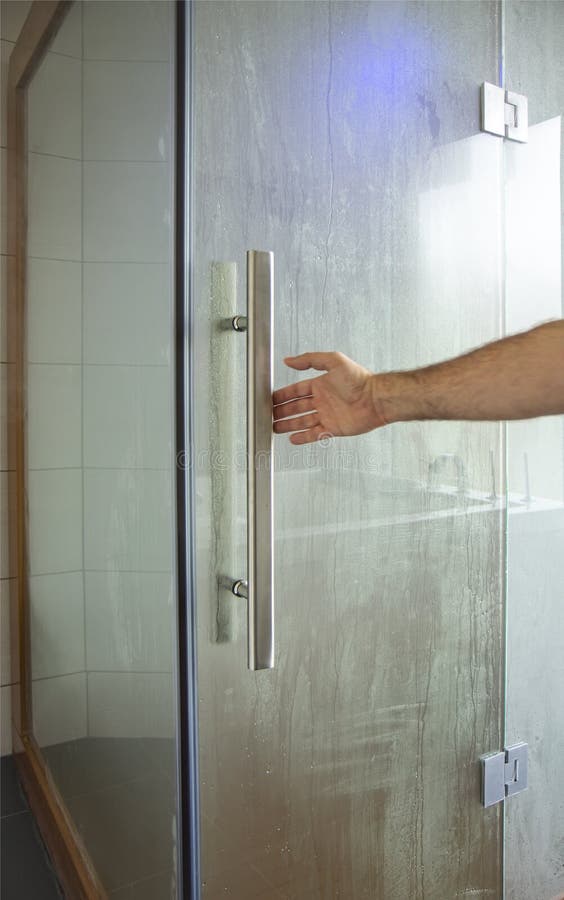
pixel 99 426
pixel 345 138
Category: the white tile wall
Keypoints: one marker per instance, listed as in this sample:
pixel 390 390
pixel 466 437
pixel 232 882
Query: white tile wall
pixel 129 621
pixel 130 403
pixel 135 300
pixel 55 210
pixel 54 401
pixel 55 520
pixel 54 312
pixel 55 107
pixel 68 39
pixel 126 111
pixel 134 30
pixel 9 28
pixel 130 705
pixel 59 709
pixel 127 520
pixel 127 212
pixel 5 660
pixel 57 624
pixel 14 14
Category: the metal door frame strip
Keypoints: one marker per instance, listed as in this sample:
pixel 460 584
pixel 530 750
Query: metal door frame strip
pixel 189 868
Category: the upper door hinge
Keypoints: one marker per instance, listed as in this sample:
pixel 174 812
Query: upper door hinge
pixel 504 773
pixel 504 113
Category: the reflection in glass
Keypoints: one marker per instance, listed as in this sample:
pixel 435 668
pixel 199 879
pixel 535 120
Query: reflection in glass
pixel 99 479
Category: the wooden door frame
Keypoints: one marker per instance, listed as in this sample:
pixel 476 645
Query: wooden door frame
pixel 74 867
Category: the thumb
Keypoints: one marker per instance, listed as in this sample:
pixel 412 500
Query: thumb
pixel 320 361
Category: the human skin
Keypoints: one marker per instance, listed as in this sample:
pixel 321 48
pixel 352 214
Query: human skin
pixel 518 377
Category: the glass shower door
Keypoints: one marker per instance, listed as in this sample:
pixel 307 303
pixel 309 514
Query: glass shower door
pixel 534 184
pixel 99 434
pixel 345 139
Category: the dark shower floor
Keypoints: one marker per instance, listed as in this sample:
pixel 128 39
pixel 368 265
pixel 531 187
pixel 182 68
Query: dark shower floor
pixel 121 794
pixel 25 866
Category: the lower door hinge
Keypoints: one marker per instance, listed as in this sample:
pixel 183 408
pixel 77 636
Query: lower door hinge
pixel 504 773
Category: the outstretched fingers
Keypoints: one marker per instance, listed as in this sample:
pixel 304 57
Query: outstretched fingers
pixel 323 362
pixel 293 408
pixel 299 423
pixel 293 391
pixel 310 435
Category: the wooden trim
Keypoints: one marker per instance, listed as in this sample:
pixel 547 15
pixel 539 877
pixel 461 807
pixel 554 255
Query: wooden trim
pixel 38 31
pixel 71 860
pixel 73 864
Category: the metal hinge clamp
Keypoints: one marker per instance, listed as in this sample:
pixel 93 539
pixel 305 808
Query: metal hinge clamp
pixel 504 774
pixel 504 113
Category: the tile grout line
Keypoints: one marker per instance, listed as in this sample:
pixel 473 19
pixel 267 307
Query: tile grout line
pixel 96 262
pixel 167 672
pixel 102 365
pixel 20 812
pixel 118 161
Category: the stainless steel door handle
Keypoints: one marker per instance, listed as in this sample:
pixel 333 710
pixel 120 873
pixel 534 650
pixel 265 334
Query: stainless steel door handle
pixel 258 590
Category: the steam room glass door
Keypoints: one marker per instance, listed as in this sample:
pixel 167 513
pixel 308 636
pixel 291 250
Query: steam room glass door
pixel 344 138
pixel 534 826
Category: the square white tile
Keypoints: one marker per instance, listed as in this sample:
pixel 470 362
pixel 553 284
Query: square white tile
pixel 59 709
pixel 130 621
pixel 127 111
pixel 133 30
pixel 55 107
pixel 57 624
pixel 14 14
pixel 54 316
pixel 127 212
pixel 127 417
pixel 134 705
pixel 7 486
pixel 55 520
pixel 128 520
pixel 5 721
pixel 55 208
pixel 5 51
pixel 5 643
pixel 68 39
pixel 127 313
pixel 54 416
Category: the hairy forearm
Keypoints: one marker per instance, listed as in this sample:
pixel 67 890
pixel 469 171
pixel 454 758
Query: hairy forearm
pixel 518 377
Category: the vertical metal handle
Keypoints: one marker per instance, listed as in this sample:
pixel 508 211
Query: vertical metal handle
pixel 260 306
pixel 258 590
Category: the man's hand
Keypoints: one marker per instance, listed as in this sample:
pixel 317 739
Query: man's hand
pixel 518 377
pixel 339 403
